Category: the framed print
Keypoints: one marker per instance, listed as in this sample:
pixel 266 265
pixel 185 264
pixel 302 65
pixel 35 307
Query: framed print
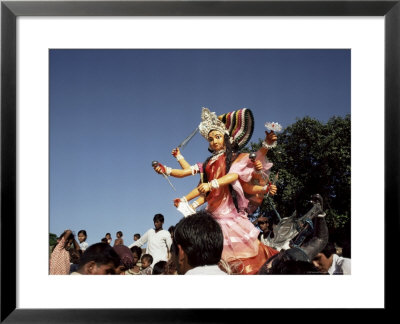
pixel 35 34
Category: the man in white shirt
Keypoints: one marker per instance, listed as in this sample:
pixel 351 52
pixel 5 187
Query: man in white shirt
pixel 329 262
pixel 158 241
pixel 197 245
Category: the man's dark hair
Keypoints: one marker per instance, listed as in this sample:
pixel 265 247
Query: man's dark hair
pixel 200 237
pixel 137 250
pixel 137 235
pixel 100 253
pixel 158 217
pixel 120 233
pixel 329 250
pixel 159 267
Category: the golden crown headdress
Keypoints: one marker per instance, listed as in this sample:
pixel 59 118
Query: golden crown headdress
pixel 209 122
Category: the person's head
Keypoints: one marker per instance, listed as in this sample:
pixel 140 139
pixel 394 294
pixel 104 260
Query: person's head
pixel 136 236
pixel 323 260
pixel 126 258
pixel 264 224
pixel 108 236
pixel 288 263
pixel 82 236
pixel 216 140
pixel 98 259
pixel 147 260
pixel 69 238
pixel 136 253
pixel 119 234
pixel 104 240
pixel 158 220
pixel 198 241
pixel 159 268
pixel 213 130
pixel 171 230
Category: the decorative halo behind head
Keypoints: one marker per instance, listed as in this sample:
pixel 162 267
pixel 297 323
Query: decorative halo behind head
pixel 240 125
pixel 209 122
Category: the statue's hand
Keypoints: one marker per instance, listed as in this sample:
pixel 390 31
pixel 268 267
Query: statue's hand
pixel 273 190
pixel 176 152
pixel 270 137
pixel 177 202
pixel 160 168
pixel 204 188
pixel 258 165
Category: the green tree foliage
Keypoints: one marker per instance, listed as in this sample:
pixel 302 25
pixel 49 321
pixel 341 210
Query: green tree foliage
pixel 52 239
pixel 52 242
pixel 312 157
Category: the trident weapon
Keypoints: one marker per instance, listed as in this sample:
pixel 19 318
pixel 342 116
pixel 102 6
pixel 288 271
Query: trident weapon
pixel 155 164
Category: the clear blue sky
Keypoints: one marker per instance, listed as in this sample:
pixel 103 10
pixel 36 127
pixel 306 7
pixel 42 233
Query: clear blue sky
pixel 112 112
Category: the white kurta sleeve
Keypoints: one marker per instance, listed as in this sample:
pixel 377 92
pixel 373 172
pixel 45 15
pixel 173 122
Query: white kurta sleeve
pixel 140 241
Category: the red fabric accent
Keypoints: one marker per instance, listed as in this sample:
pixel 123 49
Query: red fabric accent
pixel 163 170
pixel 251 266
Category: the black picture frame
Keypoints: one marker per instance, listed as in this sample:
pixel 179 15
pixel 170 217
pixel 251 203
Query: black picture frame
pixel 10 10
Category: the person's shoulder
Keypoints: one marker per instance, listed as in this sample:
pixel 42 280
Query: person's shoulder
pixel 341 260
pixel 337 259
pixel 166 233
pixel 206 270
pixel 149 231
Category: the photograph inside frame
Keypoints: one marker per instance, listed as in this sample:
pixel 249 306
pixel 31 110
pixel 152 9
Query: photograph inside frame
pixel 200 161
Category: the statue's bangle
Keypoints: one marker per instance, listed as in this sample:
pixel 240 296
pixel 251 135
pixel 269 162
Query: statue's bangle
pixel 268 146
pixel 214 184
pixel 195 169
pixel 266 188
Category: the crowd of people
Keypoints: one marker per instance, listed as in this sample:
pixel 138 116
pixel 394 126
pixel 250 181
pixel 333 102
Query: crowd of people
pixel 194 246
pixel 217 239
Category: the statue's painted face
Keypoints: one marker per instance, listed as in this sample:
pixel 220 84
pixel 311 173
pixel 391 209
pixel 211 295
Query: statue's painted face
pixel 216 140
